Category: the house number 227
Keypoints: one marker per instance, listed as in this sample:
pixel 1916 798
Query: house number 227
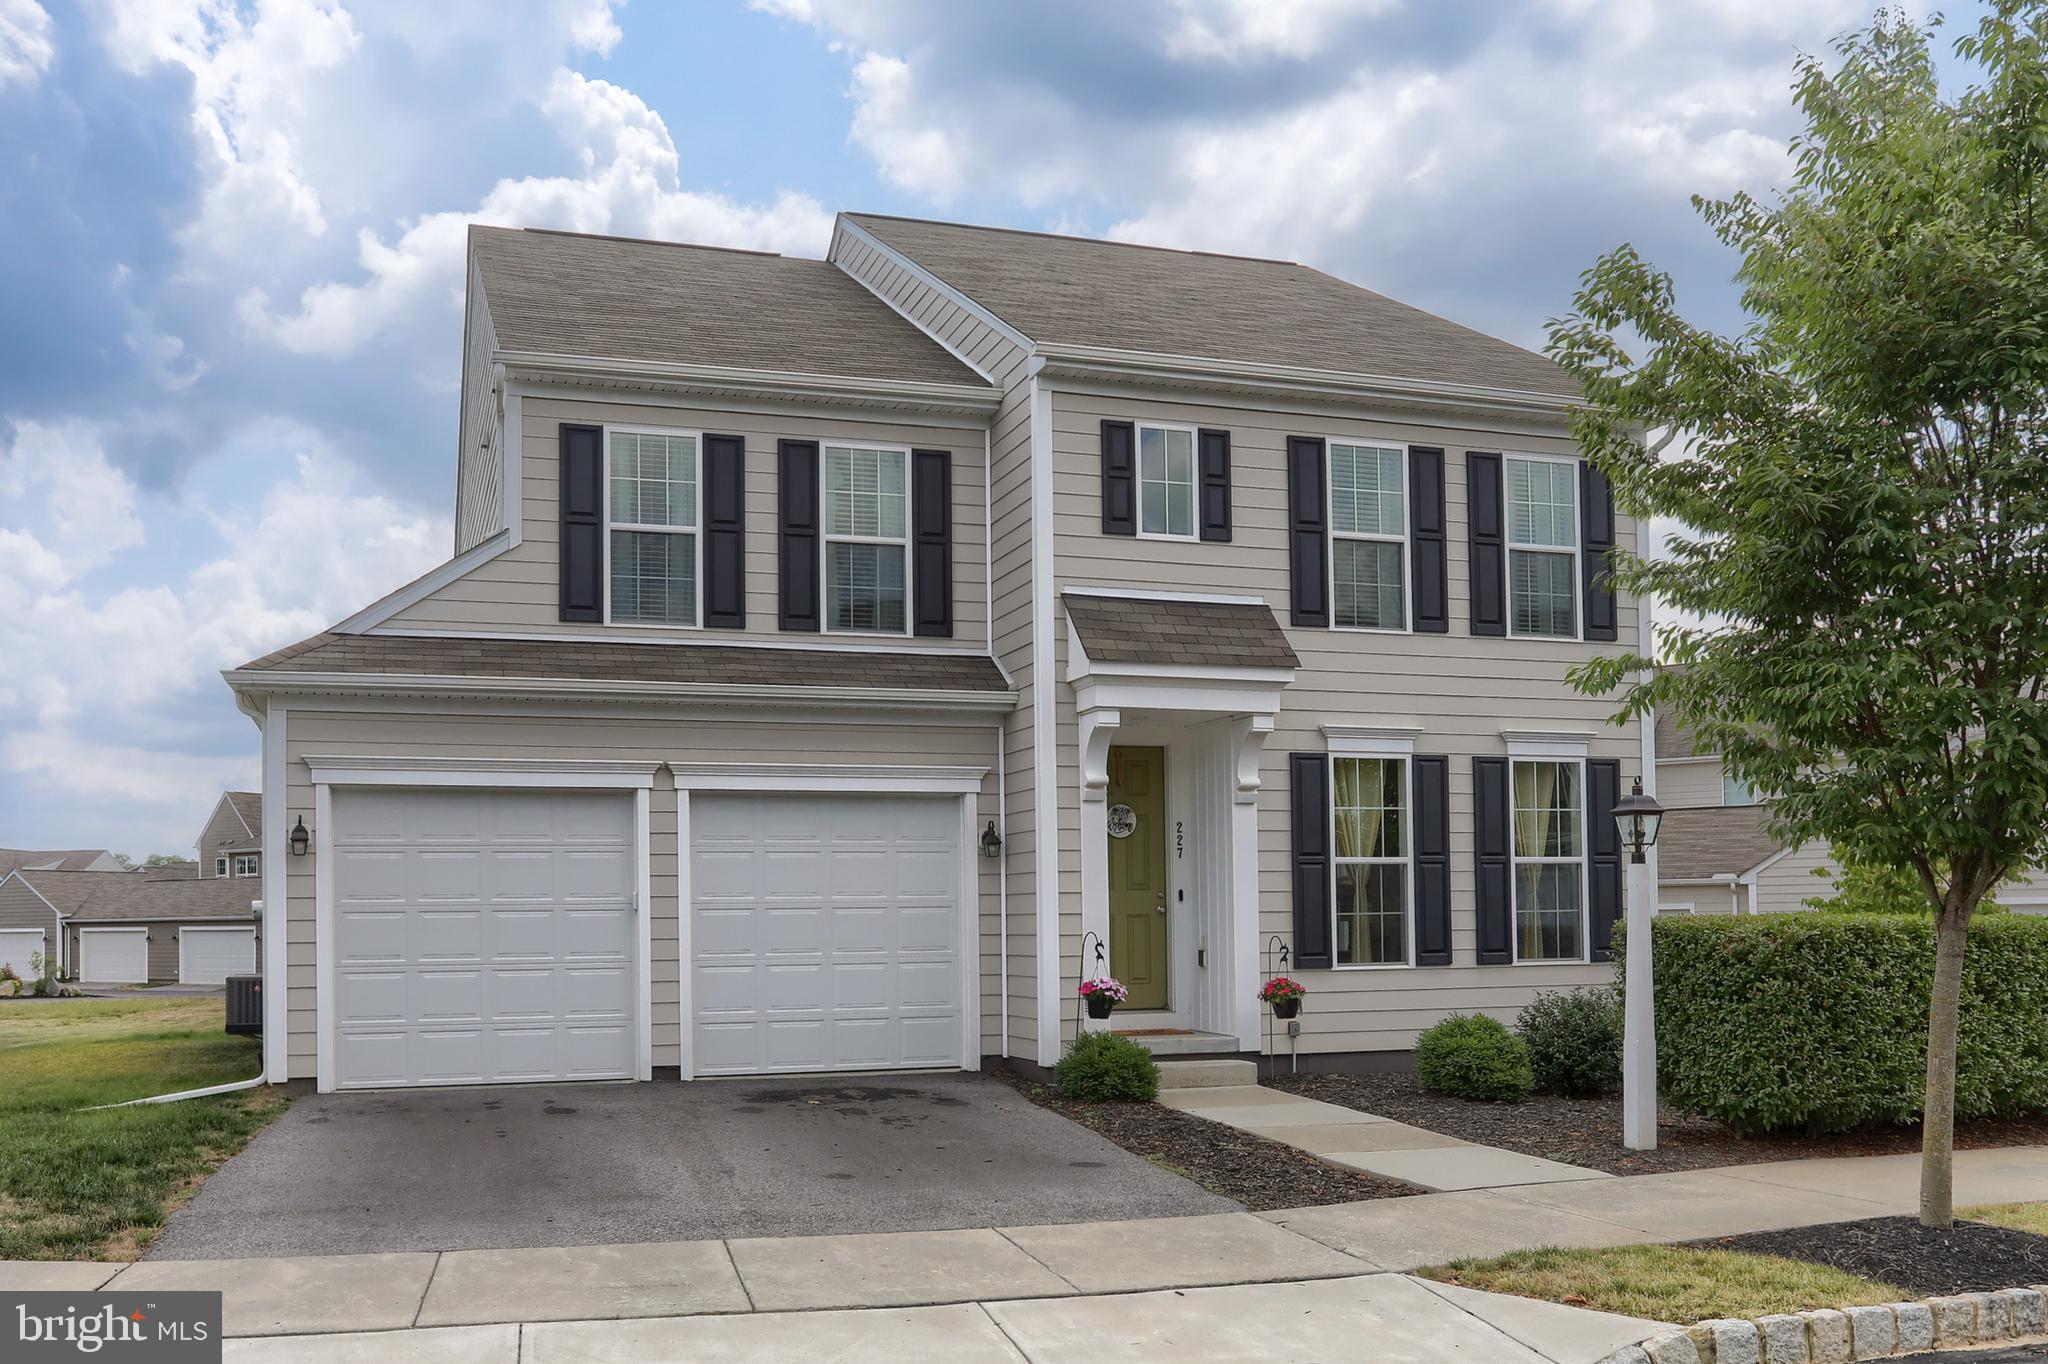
pixel 1180 840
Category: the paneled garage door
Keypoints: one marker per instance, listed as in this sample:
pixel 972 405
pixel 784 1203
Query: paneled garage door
pixel 19 946
pixel 825 932
pixel 208 956
pixel 114 956
pixel 482 937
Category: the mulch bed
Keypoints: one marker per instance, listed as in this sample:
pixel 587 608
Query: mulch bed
pixel 1262 1175
pixel 1969 1257
pixel 1587 1132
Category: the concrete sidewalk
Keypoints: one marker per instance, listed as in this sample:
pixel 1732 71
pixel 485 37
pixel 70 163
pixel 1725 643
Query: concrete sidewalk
pixel 758 1276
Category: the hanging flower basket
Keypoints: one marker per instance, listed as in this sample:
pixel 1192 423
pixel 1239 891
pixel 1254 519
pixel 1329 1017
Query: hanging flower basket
pixel 1284 993
pixel 1102 995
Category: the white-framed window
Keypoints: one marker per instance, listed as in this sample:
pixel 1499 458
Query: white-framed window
pixel 653 564
pixel 1368 535
pixel 246 864
pixel 1374 886
pixel 1549 850
pixel 1166 481
pixel 1736 791
pixel 867 539
pixel 220 866
pixel 1543 545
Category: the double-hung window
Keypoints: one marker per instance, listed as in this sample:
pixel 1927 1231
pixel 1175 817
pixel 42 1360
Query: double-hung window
pixel 652 477
pixel 1543 546
pixel 245 864
pixel 1370 796
pixel 220 866
pixel 1735 791
pixel 1368 536
pixel 1166 481
pixel 1550 860
pixel 867 521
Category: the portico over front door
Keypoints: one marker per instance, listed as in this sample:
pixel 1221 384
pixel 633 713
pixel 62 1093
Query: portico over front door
pixel 1138 910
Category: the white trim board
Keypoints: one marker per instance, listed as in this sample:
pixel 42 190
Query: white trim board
pixel 402 770
pixel 826 777
pixel 938 286
pixel 426 585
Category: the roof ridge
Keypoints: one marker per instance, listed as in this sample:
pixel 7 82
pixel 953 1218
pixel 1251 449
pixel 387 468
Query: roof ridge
pixel 1073 237
pixel 643 241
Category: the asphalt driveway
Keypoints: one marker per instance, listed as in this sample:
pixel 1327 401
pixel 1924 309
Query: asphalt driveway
pixel 563 1165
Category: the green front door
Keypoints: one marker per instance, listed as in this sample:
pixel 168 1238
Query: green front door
pixel 1137 874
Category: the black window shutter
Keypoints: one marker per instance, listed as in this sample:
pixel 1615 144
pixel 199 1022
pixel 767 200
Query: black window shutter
pixel 1486 522
pixel 1495 891
pixel 1214 461
pixel 1311 806
pixel 931 541
pixel 797 555
pixel 1431 589
pixel 1596 538
pixel 581 545
pixel 1119 479
pixel 1603 839
pixel 1308 532
pixel 725 532
pixel 1432 861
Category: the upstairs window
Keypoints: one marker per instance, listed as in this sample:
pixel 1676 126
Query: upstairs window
pixel 1372 903
pixel 245 864
pixel 1735 791
pixel 1368 536
pixel 867 519
pixel 1166 481
pixel 220 866
pixel 1543 547
pixel 1550 861
pixel 652 477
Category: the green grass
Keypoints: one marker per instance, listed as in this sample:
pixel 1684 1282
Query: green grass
pixel 1668 1283
pixel 2019 1216
pixel 76 1185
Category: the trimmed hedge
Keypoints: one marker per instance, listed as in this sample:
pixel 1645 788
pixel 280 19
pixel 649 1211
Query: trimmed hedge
pixel 1471 1056
pixel 1819 1021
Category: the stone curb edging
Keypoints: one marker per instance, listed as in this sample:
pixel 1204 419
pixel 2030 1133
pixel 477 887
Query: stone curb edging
pixel 1850 1334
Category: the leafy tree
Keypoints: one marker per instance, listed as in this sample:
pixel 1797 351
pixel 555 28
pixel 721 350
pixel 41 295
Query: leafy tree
pixel 1864 476
pixel 1859 888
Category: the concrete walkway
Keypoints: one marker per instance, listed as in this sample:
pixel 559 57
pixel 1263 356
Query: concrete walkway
pixel 746 1277
pixel 1361 1141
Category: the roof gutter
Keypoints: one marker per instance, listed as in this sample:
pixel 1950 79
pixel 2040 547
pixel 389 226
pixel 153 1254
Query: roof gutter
pixel 979 400
pixel 269 682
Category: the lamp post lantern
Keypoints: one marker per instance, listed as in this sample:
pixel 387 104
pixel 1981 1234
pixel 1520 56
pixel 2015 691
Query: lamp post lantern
pixel 1638 817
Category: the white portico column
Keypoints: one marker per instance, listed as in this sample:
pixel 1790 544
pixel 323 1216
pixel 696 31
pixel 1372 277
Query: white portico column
pixel 1247 744
pixel 1098 728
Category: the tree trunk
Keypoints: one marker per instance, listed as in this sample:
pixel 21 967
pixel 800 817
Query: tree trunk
pixel 1938 1129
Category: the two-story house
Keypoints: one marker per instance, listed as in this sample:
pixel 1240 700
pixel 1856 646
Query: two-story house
pixel 229 845
pixel 841 659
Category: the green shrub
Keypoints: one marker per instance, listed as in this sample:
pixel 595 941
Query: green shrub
pixel 1819 1021
pixel 1102 1066
pixel 1574 1039
pixel 1471 1056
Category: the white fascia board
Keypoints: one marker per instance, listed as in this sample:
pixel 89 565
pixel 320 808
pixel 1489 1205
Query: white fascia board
pixel 1696 758
pixel 873 778
pixel 690 639
pixel 414 770
pixel 512 431
pixel 1155 594
pixel 770 385
pixel 426 585
pixel 550 689
pixel 847 227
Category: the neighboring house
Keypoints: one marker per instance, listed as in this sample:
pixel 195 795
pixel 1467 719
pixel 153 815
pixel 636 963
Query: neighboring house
pixel 75 859
pixel 841 658
pixel 229 845
pixel 1715 854
pixel 115 927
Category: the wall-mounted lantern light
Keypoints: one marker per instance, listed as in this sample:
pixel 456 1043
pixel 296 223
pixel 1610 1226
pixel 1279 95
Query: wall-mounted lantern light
pixel 991 841
pixel 301 838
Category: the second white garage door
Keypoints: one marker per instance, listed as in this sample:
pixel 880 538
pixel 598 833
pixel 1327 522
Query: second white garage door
pixel 825 933
pixel 208 956
pixel 482 937
pixel 113 956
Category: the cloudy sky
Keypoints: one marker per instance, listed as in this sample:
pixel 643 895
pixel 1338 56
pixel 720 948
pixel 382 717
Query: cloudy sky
pixel 231 234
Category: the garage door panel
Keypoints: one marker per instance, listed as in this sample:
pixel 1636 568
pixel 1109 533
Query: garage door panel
pixel 592 994
pixel 446 1056
pixel 929 1041
pixel 371 1058
pixel 438 934
pixel 593 933
pixel 589 1052
pixel 594 874
pixel 372 876
pixel 524 934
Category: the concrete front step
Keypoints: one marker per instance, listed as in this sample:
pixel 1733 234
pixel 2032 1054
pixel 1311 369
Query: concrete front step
pixel 1186 1043
pixel 1206 1074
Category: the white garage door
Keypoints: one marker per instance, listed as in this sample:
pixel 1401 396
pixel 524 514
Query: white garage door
pixel 18 946
pixel 825 932
pixel 114 956
pixel 208 956
pixel 482 937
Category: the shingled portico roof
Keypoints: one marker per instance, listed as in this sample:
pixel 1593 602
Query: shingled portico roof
pixel 1149 630
pixel 1713 841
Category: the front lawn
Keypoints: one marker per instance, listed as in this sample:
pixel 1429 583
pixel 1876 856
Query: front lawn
pixel 1676 1284
pixel 78 1185
pixel 2031 1217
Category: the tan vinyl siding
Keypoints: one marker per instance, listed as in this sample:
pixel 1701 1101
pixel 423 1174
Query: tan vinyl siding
pixel 480 453
pixel 224 836
pixel 1786 884
pixel 1690 784
pixel 519 591
pixel 1681 899
pixel 21 907
pixel 1462 690
pixel 648 737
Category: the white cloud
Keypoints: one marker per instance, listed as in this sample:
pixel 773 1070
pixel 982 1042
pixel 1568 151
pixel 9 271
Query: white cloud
pixel 25 47
pixel 629 187
pixel 891 123
pixel 1234 30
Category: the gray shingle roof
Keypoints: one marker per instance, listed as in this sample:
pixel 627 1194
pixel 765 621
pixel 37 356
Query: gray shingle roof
pixel 1715 840
pixel 1076 291
pixel 598 661
pixel 67 859
pixel 665 302
pixel 1674 740
pixel 93 896
pixel 1187 633
pixel 249 806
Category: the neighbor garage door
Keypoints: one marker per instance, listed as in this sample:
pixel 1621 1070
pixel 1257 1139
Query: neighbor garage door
pixel 114 956
pixel 18 946
pixel 482 937
pixel 825 932
pixel 208 956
